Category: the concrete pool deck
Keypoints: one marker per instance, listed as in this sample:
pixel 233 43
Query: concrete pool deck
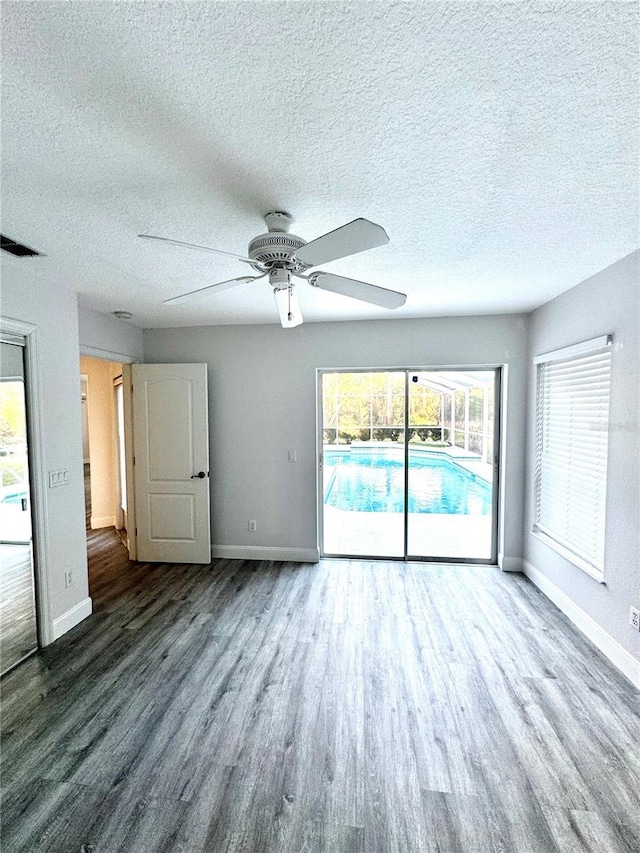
pixel 381 534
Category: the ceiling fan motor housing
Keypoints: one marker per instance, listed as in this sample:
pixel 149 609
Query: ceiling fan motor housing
pixel 276 247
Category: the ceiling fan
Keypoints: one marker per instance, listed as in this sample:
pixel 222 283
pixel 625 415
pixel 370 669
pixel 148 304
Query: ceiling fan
pixel 281 256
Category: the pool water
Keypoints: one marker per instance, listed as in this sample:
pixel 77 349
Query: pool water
pixel 373 481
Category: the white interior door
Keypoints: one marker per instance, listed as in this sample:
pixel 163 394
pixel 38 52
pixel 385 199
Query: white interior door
pixel 171 471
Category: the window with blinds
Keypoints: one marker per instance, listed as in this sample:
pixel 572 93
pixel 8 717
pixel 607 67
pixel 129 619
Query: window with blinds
pixel 572 437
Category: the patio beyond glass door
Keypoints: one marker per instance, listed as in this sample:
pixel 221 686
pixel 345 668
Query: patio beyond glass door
pixel 408 464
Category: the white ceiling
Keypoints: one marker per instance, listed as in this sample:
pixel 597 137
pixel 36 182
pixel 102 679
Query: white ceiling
pixel 496 143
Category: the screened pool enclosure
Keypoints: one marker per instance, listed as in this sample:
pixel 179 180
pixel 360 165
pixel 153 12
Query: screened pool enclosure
pixel 409 463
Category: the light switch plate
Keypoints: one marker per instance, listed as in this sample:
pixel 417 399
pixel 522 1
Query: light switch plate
pixel 59 477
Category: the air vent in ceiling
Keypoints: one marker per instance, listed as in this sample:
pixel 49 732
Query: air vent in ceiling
pixel 16 249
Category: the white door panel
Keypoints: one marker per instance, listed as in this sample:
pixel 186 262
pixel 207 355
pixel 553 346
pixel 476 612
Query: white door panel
pixel 171 447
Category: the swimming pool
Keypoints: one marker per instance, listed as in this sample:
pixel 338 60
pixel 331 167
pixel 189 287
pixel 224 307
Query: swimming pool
pixel 372 480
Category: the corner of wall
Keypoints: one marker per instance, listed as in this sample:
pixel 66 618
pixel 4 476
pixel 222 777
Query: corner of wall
pixel 103 336
pixel 71 618
pixel 510 564
pixel 617 654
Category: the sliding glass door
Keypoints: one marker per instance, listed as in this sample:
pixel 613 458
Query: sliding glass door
pixel 18 628
pixel 409 464
pixel 451 464
pixel 363 469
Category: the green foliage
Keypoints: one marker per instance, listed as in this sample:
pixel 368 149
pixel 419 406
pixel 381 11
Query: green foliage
pixel 12 414
pixel 13 470
pixel 476 409
pixel 370 407
pixel 424 406
pixel 329 436
pixel 356 405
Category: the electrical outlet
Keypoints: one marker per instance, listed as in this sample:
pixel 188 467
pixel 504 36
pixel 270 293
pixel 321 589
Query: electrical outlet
pixel 68 578
pixel 634 618
pixel 293 456
pixel 252 525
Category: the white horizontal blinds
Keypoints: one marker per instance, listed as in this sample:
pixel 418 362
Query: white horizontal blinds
pixel 572 440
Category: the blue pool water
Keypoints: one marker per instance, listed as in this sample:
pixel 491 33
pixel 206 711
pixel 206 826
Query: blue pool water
pixel 373 481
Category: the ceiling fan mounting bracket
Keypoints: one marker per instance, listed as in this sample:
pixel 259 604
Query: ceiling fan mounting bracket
pixel 278 221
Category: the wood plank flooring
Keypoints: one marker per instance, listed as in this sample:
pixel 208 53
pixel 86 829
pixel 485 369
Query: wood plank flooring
pixel 18 630
pixel 346 707
pixel 87 495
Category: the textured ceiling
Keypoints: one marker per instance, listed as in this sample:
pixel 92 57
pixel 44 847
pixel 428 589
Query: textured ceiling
pixel 497 143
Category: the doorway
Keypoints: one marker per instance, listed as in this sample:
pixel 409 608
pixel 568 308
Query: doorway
pixel 101 401
pixel 409 464
pixel 18 622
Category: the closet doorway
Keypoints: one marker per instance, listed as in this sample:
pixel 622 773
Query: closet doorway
pixel 18 619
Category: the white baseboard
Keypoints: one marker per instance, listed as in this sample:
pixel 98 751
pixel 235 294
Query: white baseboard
pixel 102 521
pixel 617 654
pixel 262 552
pixel 72 617
pixel 510 564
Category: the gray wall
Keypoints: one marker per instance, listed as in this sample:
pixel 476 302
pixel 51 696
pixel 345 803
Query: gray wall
pixel 263 402
pixel 609 302
pixel 104 336
pixel 28 295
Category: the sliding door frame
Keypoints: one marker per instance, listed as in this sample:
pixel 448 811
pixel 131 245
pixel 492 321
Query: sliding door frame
pixel 320 372
pixel 37 474
pixel 497 370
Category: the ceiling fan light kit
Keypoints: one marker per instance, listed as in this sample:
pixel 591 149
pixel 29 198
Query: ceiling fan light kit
pixel 281 255
pixel 288 307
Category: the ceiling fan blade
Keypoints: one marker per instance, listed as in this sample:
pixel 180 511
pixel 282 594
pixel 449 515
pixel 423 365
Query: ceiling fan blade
pixel 288 307
pixel 195 246
pixel 358 289
pixel 211 288
pixel 356 236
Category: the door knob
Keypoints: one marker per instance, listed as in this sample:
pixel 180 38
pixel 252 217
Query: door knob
pixel 199 476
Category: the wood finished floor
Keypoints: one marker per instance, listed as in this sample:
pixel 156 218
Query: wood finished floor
pixel 18 632
pixel 87 495
pixel 259 707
